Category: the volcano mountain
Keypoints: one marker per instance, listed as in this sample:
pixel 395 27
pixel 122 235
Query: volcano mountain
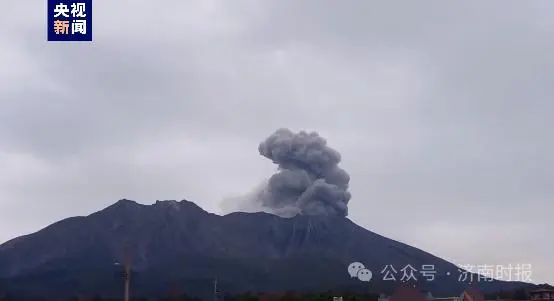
pixel 177 245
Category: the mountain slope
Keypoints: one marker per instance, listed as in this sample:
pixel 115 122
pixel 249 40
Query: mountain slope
pixel 178 244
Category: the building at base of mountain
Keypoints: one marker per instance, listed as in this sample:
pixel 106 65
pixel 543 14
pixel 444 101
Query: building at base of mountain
pixel 542 295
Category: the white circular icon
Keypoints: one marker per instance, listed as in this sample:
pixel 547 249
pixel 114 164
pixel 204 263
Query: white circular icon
pixel 364 275
pixel 358 270
pixel 354 267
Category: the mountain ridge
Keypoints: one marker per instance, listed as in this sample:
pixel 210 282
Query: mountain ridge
pixel 179 242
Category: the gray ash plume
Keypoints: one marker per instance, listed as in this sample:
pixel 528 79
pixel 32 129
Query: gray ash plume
pixel 308 180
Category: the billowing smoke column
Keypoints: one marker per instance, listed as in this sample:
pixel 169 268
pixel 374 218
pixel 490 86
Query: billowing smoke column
pixel 308 181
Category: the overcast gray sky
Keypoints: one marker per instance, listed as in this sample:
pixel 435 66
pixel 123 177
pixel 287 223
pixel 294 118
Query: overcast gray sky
pixel 440 108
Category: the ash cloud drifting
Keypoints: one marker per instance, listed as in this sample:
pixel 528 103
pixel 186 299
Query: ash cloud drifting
pixel 308 180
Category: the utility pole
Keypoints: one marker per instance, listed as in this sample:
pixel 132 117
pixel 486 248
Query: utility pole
pixel 215 289
pixel 127 275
